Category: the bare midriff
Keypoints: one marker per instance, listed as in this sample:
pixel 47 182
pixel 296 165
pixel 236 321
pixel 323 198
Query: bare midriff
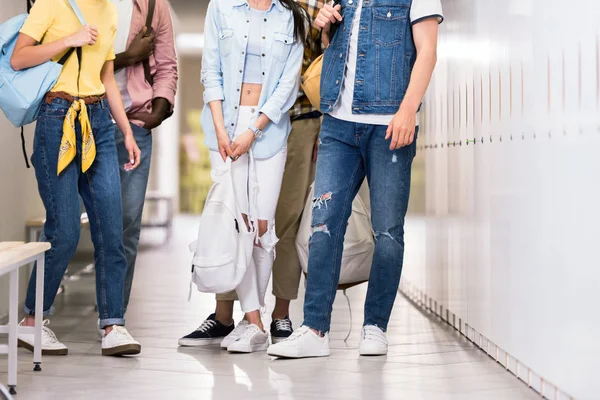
pixel 250 94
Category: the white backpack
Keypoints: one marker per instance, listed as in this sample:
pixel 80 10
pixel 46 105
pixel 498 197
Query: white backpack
pixel 358 242
pixel 224 246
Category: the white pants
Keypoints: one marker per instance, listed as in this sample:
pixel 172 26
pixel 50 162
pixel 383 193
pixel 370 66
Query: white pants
pixel 269 174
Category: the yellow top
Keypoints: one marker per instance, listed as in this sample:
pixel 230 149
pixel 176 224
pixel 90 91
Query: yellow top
pixel 50 20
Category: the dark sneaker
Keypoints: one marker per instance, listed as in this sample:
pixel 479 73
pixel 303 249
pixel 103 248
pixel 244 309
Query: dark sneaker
pixel 281 329
pixel 210 332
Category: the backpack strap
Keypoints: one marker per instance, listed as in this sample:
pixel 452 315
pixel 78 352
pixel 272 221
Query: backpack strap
pixel 149 17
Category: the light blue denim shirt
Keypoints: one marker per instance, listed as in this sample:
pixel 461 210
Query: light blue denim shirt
pixel 226 32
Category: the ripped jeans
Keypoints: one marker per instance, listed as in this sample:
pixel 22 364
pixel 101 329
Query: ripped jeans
pixel 349 152
pixel 269 175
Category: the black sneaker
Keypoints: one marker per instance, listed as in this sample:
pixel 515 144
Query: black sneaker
pixel 281 329
pixel 210 332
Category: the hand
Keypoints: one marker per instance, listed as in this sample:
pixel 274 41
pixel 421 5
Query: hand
pixel 141 46
pixel 87 35
pixel 242 144
pixel 327 15
pixel 402 128
pixel 135 154
pixel 316 150
pixel 224 144
pixel 151 120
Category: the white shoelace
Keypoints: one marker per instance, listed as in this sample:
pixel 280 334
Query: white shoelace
pixel 122 332
pixel 249 332
pixel 283 325
pixel 49 335
pixel 239 329
pixel 298 333
pixel 206 325
pixel 374 333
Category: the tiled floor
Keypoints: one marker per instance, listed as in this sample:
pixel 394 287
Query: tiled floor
pixel 427 360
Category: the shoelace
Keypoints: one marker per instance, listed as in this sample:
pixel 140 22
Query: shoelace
pixel 48 332
pixel 283 325
pixel 298 333
pixel 249 332
pixel 372 333
pixel 206 325
pixel 121 331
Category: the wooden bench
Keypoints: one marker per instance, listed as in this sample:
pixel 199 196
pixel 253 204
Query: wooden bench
pixel 13 256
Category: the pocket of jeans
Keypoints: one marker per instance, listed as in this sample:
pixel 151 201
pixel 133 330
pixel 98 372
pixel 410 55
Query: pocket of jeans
pixel 52 111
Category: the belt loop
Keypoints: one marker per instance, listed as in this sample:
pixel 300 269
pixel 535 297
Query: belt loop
pixel 102 103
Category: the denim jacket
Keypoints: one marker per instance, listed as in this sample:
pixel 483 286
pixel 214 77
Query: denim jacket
pixel 225 39
pixel 386 56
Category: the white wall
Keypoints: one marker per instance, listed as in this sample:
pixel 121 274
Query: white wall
pixel 19 199
pixel 513 223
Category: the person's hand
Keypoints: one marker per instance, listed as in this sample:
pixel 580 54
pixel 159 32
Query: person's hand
pixel 135 154
pixel 327 15
pixel 242 144
pixel 224 144
pixel 141 46
pixel 316 150
pixel 87 35
pixel 402 128
pixel 151 120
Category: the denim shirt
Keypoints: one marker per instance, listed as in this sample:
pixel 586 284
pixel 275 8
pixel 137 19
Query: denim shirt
pixel 386 56
pixel 225 40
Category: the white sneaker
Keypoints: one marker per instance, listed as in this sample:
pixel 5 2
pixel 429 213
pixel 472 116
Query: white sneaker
pixel 50 344
pixel 234 335
pixel 253 339
pixel 303 343
pixel 101 332
pixel 373 342
pixel 119 343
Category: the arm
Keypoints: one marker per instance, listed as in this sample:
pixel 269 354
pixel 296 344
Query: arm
pixel 165 78
pixel 212 78
pixel 402 127
pixel 286 92
pixel 118 112
pixel 139 50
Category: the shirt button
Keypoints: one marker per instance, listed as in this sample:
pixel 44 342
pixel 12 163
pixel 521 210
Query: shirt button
pixel 232 124
pixel 263 73
pixel 243 52
pixel 263 54
pixel 264 37
pixel 265 20
pixel 245 36
pixel 248 21
pixel 235 107
pixel 341 55
pixel 240 71
pixel 349 1
pixel 337 82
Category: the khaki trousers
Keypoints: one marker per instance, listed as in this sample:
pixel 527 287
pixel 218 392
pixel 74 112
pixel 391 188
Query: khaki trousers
pixel 297 178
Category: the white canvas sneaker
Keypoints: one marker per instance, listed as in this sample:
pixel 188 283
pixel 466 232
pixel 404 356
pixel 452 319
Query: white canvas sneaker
pixel 119 343
pixel 373 342
pixel 303 343
pixel 253 339
pixel 50 344
pixel 234 335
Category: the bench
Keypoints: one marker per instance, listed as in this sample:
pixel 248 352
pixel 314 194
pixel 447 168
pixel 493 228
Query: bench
pixel 167 222
pixel 13 256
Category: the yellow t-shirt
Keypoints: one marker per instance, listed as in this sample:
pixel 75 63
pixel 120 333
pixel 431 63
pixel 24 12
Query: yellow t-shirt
pixel 50 20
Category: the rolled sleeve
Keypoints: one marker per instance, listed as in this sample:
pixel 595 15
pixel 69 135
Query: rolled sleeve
pixel 286 92
pixel 166 76
pixel 214 93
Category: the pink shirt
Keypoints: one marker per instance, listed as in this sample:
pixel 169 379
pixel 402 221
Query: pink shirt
pixel 163 61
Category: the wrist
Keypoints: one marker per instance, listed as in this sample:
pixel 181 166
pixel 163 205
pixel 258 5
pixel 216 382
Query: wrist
pixel 128 133
pixel 409 105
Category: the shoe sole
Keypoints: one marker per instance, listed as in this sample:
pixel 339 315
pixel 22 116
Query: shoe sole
pixel 290 356
pixel 277 340
pixel 124 350
pixel 45 352
pixel 372 354
pixel 199 342
pixel 253 349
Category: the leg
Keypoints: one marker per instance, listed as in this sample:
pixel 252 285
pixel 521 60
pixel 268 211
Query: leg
pixel 101 193
pixel 133 194
pixel 39 301
pixel 340 172
pixel 61 200
pixel 297 178
pixel 388 173
pixel 12 331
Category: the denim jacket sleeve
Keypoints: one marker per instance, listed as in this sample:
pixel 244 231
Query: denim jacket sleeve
pixel 286 92
pixel 212 76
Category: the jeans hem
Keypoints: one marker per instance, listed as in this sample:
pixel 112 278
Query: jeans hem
pixel 316 327
pixel 112 321
pixel 31 312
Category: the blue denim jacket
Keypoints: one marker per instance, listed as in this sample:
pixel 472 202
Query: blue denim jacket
pixel 225 39
pixel 386 56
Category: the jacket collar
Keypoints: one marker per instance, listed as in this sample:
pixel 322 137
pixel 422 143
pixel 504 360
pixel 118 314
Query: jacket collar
pixel 276 3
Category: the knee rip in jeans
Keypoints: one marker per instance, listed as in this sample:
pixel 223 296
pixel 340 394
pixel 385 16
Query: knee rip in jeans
pixel 385 234
pixel 322 228
pixel 267 239
pixel 322 200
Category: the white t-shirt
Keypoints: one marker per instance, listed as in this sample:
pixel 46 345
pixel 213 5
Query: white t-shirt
pixel 419 10
pixel 125 11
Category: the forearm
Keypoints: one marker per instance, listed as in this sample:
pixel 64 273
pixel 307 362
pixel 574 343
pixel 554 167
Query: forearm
pixel 262 121
pixel 419 79
pixel 116 105
pixel 161 107
pixel 216 110
pixel 34 55
pixel 124 60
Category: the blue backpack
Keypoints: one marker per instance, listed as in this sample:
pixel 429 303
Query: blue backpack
pixel 22 92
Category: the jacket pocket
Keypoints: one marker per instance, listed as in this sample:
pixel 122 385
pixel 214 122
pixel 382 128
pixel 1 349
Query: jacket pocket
pixel 282 45
pixel 389 25
pixel 225 41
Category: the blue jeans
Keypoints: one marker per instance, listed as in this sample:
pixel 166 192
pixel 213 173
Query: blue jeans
pixel 100 190
pixel 347 153
pixel 133 193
